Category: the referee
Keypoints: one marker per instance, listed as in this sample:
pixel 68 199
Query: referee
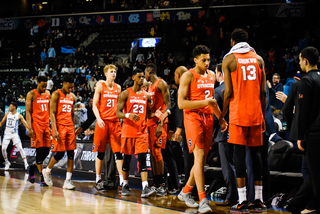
pixel 309 116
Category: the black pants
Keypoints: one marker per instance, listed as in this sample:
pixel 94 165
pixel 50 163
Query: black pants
pixel 188 158
pixel 109 166
pixel 170 164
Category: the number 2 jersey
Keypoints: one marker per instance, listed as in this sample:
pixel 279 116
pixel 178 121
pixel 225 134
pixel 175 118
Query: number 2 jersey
pixel 108 103
pixel 136 104
pixel 40 108
pixel 64 108
pixel 245 103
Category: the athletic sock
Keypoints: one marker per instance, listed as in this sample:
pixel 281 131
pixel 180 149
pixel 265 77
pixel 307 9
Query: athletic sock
pixel 187 189
pixel 98 177
pixel 144 184
pixel 125 182
pixel 69 174
pixel 121 179
pixel 258 192
pixel 48 170
pixel 242 194
pixel 202 195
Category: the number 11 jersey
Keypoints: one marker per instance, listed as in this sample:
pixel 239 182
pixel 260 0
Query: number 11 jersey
pixel 108 103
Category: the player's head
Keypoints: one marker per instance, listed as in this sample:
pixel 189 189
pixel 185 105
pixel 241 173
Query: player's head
pixel 201 56
pixel 42 83
pixel 151 69
pixel 178 73
pixel 219 74
pixel 110 71
pixel 238 35
pixel 13 106
pixel 138 76
pixel 145 85
pixel 309 57
pixel 68 83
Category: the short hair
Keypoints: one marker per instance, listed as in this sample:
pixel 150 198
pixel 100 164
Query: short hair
pixel 68 79
pixel 14 104
pixel 219 67
pixel 276 74
pixel 239 35
pixel 311 54
pixel 136 71
pixel 200 49
pixel 107 67
pixel 152 67
pixel 42 79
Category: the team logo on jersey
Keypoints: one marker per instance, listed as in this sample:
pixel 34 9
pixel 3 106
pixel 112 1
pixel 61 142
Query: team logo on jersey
pixel 32 142
pixel 228 135
pixel 52 146
pixel 190 143
pixel 160 141
pixel 93 147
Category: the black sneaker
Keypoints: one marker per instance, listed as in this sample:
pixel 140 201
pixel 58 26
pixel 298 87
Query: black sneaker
pixel 259 207
pixel 240 208
pixel 162 190
pixel 125 190
pixel 31 176
pixel 146 192
pixel 99 186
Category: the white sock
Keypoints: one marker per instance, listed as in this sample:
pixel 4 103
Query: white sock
pixel 125 182
pixel 242 194
pixel 6 160
pixel 258 192
pixel 121 179
pixel 98 177
pixel 48 170
pixel 69 174
pixel 144 184
pixel 25 161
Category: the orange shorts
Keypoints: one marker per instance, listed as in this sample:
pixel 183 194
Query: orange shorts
pixel 199 130
pixel 42 136
pixel 246 136
pixel 67 140
pixel 130 146
pixel 111 133
pixel 156 144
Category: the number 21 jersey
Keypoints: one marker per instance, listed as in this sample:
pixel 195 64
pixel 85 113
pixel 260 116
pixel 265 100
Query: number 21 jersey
pixel 136 104
pixel 64 108
pixel 108 103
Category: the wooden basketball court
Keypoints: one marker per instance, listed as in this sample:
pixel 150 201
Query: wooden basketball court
pixel 18 195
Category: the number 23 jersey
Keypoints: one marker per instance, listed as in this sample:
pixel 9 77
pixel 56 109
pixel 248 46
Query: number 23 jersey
pixel 64 108
pixel 136 104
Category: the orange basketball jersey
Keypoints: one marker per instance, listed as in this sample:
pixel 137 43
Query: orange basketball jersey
pixel 108 103
pixel 40 108
pixel 201 88
pixel 156 102
pixel 136 104
pixel 245 103
pixel 64 108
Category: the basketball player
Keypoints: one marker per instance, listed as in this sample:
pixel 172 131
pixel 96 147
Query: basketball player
pixel 63 135
pixel 107 128
pixel 12 119
pixel 196 97
pixel 134 106
pixel 245 91
pixel 160 99
pixel 37 114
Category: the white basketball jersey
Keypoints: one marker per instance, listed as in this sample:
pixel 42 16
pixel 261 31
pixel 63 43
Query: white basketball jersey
pixel 12 123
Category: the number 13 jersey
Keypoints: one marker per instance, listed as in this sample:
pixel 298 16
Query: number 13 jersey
pixel 136 104
pixel 108 103
pixel 64 108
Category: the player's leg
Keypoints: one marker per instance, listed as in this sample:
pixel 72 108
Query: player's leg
pixel 5 143
pixel 42 153
pixel 127 148
pixel 70 144
pixel 17 142
pixel 146 190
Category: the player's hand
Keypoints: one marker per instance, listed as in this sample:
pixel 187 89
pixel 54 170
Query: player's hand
pixel 211 102
pixel 101 123
pixel 164 116
pixel 224 125
pixel 221 119
pixel 56 136
pixel 177 135
pixel 158 113
pixel 281 96
pixel 269 84
pixel 158 131
pixel 134 117
pixel 301 145
pixel 78 131
pixel 30 133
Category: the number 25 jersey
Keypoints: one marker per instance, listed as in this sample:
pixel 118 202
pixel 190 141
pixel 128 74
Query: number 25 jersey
pixel 64 108
pixel 136 104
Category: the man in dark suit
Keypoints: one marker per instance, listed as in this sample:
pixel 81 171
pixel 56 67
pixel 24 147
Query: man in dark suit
pixel 225 148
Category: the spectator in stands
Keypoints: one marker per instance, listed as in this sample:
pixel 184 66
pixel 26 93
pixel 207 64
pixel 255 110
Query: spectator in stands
pixel 85 99
pixel 79 98
pixel 42 72
pixel 22 99
pixel 91 84
pixel 59 68
pixel 43 56
pixel 166 73
pixel 71 69
pixel 273 89
pixel 277 122
pixel 128 83
pixel 36 31
pixel 94 59
pixel 140 57
pixel 32 46
pixel 3 91
pixel 64 70
pixel 49 84
pixel 51 54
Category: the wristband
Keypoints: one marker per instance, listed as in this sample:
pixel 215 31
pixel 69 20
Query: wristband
pixel 127 115
pixel 169 112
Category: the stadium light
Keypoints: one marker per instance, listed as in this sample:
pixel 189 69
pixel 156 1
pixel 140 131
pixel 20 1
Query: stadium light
pixel 44 2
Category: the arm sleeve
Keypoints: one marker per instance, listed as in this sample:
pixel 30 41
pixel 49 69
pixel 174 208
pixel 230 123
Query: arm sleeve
pixel 305 100
pixel 90 119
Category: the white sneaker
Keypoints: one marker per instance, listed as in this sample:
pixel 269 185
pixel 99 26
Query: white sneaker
pixel 47 177
pixel 204 206
pixel 68 185
pixel 186 198
pixel 7 166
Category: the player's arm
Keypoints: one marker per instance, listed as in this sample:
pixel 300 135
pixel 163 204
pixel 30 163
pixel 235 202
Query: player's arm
pixel 4 119
pixel 53 110
pixel 263 88
pixel 96 99
pixel 24 122
pixel 72 110
pixel 183 103
pixel 163 87
pixel 29 100
pixel 121 103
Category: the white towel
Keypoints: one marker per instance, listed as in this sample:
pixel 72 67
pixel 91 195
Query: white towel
pixel 241 47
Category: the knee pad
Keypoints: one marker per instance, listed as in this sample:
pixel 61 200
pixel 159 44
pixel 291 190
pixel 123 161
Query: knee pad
pixel 58 156
pixel 118 156
pixel 156 152
pixel 142 161
pixel 41 155
pixel 126 163
pixel 70 154
pixel 100 155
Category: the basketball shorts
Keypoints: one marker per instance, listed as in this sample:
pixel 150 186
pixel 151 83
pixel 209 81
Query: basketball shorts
pixel 199 130
pixel 42 136
pixel 67 140
pixel 156 144
pixel 246 136
pixel 130 146
pixel 111 133
pixel 8 137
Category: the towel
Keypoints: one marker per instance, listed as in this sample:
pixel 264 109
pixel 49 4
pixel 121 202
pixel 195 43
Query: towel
pixel 241 47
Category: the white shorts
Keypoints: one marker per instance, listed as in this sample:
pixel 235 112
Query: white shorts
pixel 14 137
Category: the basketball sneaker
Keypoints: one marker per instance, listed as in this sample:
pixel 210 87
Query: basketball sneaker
pixel 7 166
pixel 68 184
pixel 31 176
pixel 240 208
pixel 43 184
pixel 147 191
pixel 162 190
pixel 100 186
pixel 186 198
pixel 125 190
pixel 259 207
pixel 204 206
pixel 47 177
